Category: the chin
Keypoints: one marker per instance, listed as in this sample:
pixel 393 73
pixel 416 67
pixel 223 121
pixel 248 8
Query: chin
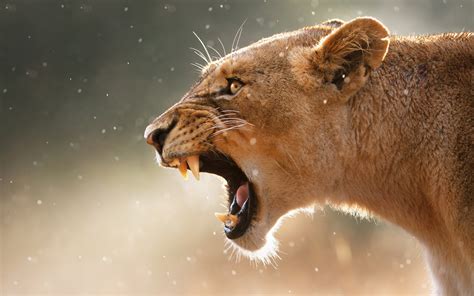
pixel 257 244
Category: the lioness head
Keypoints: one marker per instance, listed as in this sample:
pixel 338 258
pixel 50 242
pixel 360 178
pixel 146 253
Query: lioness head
pixel 271 120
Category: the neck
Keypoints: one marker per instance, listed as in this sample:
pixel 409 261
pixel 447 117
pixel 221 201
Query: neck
pixel 390 165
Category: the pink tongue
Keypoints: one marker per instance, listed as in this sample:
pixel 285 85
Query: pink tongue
pixel 242 194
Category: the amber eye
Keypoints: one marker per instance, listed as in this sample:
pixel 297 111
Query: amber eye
pixel 234 86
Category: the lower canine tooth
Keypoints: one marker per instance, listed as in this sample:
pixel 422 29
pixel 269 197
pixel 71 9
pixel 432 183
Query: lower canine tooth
pixel 183 169
pixel 228 219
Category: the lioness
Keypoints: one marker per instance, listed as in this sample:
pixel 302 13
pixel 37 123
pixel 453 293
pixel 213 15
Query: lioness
pixel 339 113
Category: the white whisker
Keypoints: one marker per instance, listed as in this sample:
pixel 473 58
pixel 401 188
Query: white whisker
pixel 204 46
pixel 222 45
pixel 237 37
pixel 228 129
pixel 240 34
pixel 198 66
pixel 199 54
pixel 215 50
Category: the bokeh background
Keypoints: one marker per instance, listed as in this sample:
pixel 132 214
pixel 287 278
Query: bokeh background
pixel 84 207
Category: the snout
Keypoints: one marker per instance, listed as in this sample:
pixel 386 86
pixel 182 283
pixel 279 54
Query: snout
pixel 158 131
pixel 156 135
pixel 182 131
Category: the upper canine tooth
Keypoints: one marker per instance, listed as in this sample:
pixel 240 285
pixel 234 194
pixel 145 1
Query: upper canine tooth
pixel 193 163
pixel 183 169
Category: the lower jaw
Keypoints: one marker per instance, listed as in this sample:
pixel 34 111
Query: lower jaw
pixel 246 214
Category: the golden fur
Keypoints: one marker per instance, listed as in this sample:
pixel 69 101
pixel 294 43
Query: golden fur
pixel 342 113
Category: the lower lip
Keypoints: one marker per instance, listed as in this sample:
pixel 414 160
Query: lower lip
pixel 247 212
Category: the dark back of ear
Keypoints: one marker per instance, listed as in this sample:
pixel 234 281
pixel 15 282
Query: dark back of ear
pixel 334 23
pixel 346 56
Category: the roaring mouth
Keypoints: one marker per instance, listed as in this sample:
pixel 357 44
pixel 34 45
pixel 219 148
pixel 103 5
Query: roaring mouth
pixel 241 195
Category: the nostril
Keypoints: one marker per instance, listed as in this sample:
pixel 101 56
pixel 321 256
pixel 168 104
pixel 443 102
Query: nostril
pixel 158 137
pixel 161 137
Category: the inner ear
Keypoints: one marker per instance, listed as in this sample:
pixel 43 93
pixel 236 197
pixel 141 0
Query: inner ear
pixel 354 61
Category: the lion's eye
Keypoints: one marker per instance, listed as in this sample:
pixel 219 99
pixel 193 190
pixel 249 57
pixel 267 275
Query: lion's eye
pixel 234 86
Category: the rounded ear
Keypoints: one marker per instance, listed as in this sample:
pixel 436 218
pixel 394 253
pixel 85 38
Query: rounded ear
pixel 350 52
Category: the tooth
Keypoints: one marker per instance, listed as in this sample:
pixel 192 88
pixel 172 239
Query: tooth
pixel 233 219
pixel 193 163
pixel 228 219
pixel 174 163
pixel 183 169
pixel 221 216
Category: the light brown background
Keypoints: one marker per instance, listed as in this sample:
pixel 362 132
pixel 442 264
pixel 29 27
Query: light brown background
pixel 84 208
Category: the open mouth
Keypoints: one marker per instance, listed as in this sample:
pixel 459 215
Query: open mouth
pixel 241 195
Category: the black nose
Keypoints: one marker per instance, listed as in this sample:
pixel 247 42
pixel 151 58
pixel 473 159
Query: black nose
pixel 157 138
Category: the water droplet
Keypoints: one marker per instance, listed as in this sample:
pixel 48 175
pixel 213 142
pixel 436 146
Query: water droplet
pixel 39 202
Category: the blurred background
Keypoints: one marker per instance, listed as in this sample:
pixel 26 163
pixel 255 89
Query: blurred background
pixel 84 207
